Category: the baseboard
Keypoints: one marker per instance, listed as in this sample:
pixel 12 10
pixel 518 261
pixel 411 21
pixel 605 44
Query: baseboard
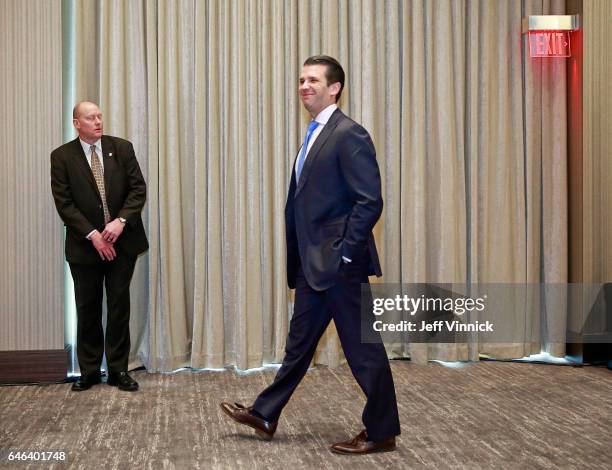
pixel 39 366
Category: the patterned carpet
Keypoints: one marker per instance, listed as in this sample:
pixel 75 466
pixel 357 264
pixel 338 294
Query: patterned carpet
pixel 488 415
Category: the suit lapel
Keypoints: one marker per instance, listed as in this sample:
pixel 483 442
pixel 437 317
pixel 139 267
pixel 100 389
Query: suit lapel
pixel 317 146
pixel 108 152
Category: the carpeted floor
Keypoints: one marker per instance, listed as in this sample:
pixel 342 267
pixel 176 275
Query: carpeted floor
pixel 487 415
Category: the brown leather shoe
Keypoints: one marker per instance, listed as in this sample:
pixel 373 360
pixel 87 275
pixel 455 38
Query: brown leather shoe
pixel 360 445
pixel 242 414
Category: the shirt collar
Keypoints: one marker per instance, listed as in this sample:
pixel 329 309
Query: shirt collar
pixel 86 146
pixel 324 115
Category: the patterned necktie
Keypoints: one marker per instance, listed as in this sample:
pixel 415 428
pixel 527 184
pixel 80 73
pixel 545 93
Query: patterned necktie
pixel 98 173
pixel 302 156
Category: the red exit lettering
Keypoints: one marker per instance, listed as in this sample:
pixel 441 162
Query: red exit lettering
pixel 549 44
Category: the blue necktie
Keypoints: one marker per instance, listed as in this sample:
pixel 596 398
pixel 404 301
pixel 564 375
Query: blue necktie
pixel 302 156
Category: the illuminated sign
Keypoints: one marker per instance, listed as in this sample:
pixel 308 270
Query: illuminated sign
pixel 549 35
pixel 549 44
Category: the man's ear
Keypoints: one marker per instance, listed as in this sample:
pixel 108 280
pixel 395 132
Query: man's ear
pixel 334 89
pixel 75 123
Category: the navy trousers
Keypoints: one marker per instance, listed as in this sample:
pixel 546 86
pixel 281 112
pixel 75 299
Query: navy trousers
pixel 369 364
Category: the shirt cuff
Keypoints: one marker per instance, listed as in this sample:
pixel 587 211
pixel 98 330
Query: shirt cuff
pixel 346 260
pixel 88 236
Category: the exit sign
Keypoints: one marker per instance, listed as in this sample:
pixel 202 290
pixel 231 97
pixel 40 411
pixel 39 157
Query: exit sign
pixel 549 44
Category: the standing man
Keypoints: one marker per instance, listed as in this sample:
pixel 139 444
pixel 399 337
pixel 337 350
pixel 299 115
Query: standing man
pixel 333 203
pixel 99 192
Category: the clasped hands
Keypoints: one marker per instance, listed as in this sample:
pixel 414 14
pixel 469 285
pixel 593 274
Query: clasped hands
pixel 104 242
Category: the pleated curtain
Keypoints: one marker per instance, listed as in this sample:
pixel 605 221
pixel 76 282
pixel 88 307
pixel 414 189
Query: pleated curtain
pixel 472 161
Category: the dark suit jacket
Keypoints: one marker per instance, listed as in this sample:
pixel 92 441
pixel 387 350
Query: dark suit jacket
pixel 332 211
pixel 79 204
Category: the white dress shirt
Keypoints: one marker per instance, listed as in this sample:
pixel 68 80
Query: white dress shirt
pixel 321 119
pixel 87 150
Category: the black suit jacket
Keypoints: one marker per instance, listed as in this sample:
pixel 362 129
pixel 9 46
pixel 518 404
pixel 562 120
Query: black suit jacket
pixel 332 211
pixel 79 204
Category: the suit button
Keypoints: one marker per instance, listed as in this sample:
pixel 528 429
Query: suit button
pixel 99 206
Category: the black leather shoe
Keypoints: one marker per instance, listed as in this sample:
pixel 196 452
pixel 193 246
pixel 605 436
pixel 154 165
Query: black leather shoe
pixel 360 445
pixel 85 382
pixel 242 414
pixel 123 381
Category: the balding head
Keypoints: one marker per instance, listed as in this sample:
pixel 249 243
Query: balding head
pixel 78 107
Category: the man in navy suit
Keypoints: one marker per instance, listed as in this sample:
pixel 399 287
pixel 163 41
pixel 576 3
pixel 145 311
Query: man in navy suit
pixel 99 193
pixel 334 202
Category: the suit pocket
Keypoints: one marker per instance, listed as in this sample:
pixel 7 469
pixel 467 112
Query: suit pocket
pixel 335 227
pixel 334 230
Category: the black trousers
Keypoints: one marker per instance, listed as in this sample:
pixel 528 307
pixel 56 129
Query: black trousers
pixel 89 280
pixel 369 364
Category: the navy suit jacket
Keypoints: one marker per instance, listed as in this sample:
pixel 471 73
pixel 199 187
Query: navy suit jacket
pixel 79 204
pixel 332 211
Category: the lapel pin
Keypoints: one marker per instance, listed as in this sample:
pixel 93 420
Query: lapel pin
pixel 110 154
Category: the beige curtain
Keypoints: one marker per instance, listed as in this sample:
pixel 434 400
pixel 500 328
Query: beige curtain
pixel 597 146
pixel 31 234
pixel 473 165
